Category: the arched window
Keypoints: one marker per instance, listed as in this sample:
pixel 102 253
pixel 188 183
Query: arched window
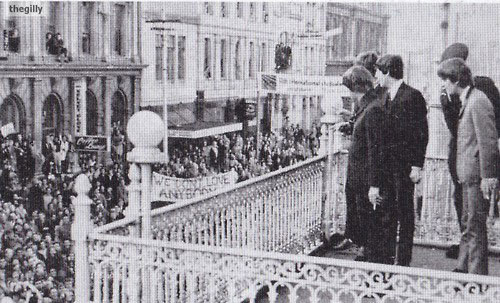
pixel 92 114
pixel 118 109
pixel 12 111
pixel 51 115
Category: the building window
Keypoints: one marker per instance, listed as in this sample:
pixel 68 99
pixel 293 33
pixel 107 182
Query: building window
pixel 239 9
pixel 223 9
pixel 207 68
pixel 263 58
pixel 265 13
pixel 237 61
pixel 223 59
pixel 159 57
pixel 252 11
pixel 171 58
pixel 11 37
pixel 87 27
pixel 120 11
pixel 53 17
pixel 181 58
pixel 251 61
pixel 209 8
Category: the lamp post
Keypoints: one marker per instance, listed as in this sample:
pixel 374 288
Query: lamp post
pixel 145 130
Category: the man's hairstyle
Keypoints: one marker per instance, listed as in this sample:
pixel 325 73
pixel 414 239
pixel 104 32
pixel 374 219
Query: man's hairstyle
pixel 392 64
pixel 455 70
pixel 368 60
pixel 456 50
pixel 358 79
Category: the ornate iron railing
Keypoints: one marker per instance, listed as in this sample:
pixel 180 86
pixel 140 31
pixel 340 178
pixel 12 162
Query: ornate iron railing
pixel 281 211
pixel 137 270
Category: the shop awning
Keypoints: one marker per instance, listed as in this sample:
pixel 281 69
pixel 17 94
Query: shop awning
pixel 201 129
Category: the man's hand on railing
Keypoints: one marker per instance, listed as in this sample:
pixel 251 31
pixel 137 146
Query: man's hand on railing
pixel 345 114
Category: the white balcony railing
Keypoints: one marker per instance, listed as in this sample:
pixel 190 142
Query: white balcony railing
pixel 249 242
pixel 138 270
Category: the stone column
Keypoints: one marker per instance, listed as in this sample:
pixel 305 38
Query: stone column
pixel 108 94
pixel 134 31
pixel 37 119
pixel 73 36
pixel 279 113
pixel 81 227
pixel 136 101
pixel 306 114
pixel 271 101
pixel 37 48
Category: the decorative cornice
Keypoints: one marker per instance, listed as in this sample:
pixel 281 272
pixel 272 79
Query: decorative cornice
pixel 17 71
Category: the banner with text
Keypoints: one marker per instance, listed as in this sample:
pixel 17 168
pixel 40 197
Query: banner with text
pixel 80 107
pixel 176 189
pixel 92 143
pixel 290 84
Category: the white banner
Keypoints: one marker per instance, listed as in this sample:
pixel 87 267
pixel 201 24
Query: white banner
pixel 80 107
pixel 176 189
pixel 290 84
pixel 8 129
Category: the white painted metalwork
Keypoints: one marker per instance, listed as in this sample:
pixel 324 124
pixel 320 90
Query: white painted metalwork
pixel 198 273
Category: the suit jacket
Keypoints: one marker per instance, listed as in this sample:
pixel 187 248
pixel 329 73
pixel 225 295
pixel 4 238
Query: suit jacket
pixel 366 152
pixel 477 149
pixel 407 133
pixel 451 105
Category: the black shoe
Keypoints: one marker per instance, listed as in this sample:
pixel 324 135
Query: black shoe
pixel 343 245
pixel 452 252
pixel 335 239
pixel 361 258
pixel 459 270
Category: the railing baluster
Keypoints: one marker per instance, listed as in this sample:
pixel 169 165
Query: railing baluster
pixel 97 282
pixel 105 281
pixel 116 282
pixel 218 226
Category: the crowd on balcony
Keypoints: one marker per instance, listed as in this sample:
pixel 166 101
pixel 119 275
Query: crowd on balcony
pixel 230 152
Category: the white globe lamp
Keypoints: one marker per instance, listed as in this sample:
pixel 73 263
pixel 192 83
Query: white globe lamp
pixel 145 129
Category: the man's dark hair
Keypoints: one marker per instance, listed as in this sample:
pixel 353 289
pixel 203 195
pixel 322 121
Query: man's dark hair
pixel 455 70
pixel 358 79
pixel 392 64
pixel 368 60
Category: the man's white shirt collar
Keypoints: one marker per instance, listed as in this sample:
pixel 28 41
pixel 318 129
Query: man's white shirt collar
pixel 464 93
pixel 393 90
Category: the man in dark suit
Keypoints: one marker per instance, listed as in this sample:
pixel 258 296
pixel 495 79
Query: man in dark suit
pixel 405 139
pixel 365 172
pixel 451 106
pixel 477 163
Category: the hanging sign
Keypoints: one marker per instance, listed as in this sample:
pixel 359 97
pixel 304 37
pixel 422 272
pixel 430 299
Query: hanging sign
pixel 80 107
pixel 92 143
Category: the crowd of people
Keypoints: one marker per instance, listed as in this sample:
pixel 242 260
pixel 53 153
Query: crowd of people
pixel 389 139
pixel 36 251
pixel 223 153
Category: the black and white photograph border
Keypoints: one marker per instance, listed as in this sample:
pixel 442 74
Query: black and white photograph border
pixel 266 151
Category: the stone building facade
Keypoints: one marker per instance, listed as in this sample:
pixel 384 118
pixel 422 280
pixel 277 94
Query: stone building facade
pixel 37 92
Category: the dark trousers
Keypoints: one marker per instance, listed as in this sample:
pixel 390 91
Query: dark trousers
pixel 402 194
pixel 353 228
pixel 379 228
